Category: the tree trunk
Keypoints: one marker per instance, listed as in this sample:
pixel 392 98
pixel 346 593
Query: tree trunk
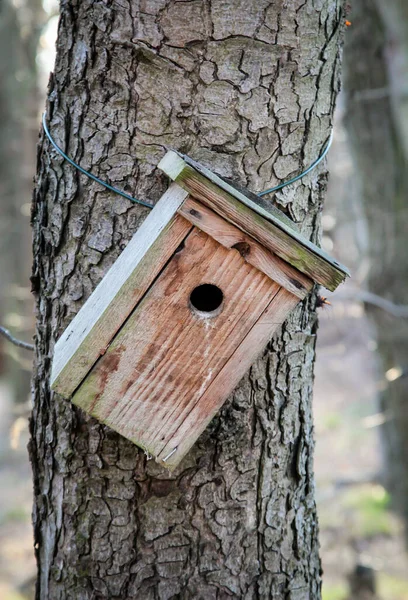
pixel 377 120
pixel 18 123
pixel 247 88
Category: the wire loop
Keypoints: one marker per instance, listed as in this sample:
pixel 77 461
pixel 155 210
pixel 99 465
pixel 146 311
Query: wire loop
pixel 74 164
pixel 309 168
pixel 147 204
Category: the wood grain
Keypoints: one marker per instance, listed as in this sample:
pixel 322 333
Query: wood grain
pixel 92 329
pixel 273 233
pixel 163 360
pixel 252 251
pixel 174 163
pixel 193 424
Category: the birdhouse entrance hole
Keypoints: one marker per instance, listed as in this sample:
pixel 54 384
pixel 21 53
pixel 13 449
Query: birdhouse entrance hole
pixel 206 299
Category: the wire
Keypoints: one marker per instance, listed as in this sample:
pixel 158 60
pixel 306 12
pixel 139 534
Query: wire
pixel 312 166
pixel 147 204
pixel 74 164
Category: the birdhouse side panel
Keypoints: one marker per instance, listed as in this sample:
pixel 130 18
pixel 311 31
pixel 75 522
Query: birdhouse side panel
pixel 175 344
pixel 92 329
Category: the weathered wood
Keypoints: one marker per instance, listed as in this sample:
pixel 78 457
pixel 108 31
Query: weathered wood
pixel 92 329
pixel 166 355
pixel 272 232
pixel 173 163
pixel 252 251
pixel 183 434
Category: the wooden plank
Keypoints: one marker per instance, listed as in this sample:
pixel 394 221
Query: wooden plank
pixel 173 163
pixel 272 232
pixel 252 251
pixel 166 355
pixel 188 431
pixel 92 329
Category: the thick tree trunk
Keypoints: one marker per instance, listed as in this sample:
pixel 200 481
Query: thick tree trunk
pixel 247 88
pixel 377 120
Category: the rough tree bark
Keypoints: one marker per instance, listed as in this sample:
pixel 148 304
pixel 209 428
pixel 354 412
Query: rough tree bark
pixel 247 88
pixel 376 77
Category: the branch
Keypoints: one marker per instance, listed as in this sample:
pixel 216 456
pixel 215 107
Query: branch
pixel 5 332
pixel 396 310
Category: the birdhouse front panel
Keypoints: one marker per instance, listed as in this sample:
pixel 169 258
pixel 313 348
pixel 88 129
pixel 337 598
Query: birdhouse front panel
pixel 176 342
pixel 185 310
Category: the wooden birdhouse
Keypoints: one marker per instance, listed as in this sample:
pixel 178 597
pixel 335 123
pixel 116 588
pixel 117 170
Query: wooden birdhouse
pixel 185 310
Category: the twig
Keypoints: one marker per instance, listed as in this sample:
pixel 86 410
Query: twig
pixel 5 332
pixel 396 310
pixel 372 94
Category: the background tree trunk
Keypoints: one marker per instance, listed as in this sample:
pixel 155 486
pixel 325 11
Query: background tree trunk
pixel 376 77
pixel 247 88
pixel 20 28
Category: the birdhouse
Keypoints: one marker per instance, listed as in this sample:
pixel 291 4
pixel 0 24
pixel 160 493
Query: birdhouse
pixel 184 311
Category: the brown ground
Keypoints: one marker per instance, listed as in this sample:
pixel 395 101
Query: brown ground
pixel 356 525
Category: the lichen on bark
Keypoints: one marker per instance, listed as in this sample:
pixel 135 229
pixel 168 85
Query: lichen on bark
pixel 248 89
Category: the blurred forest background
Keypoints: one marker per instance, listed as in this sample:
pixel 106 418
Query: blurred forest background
pixel 361 385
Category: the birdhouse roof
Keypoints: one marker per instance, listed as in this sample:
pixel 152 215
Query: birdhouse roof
pixel 247 211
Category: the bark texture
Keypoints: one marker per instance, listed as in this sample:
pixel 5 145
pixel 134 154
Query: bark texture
pixel 247 88
pixel 377 120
